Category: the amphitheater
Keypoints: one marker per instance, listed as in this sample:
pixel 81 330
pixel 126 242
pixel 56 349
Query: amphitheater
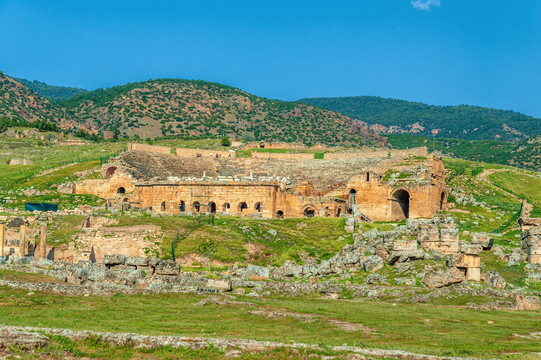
pixel 374 184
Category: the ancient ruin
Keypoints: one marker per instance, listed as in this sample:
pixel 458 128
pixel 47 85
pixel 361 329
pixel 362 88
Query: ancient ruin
pixel 531 239
pixel 373 185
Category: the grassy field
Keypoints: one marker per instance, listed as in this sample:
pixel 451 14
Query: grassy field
pixel 526 185
pixel 428 328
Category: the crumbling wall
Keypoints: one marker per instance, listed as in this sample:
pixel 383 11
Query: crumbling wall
pixel 149 148
pixel 377 153
pixel 264 155
pixel 184 152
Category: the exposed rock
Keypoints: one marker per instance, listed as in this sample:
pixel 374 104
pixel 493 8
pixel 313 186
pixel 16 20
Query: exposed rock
pixel 136 261
pixel 523 302
pixel 10 336
pixel 443 277
pixel 77 276
pixel 272 232
pixel 470 249
pixel 516 257
pixel 221 285
pixel 115 259
pixel 483 239
pixel 167 268
pixel 376 279
pixel 495 280
pixel 256 271
pixel 372 263
pixel 405 281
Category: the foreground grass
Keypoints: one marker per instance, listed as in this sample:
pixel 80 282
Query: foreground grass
pixel 432 329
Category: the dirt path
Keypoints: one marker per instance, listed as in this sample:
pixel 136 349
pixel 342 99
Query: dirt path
pixel 485 176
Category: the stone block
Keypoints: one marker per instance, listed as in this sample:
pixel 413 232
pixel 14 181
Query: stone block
pixel 495 280
pixel 482 239
pixel 372 263
pixel 112 260
pixel 473 274
pixel 136 261
pixel 256 271
pixel 221 285
pixel 167 267
pixel 470 249
pixel 443 277
pixel 523 302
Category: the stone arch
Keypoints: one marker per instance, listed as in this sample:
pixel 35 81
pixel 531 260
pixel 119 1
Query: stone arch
pixel 243 206
pixel 309 211
pixel 258 207
pixel 226 206
pixel 121 190
pixel 280 214
pixel 182 206
pixel 110 171
pixel 212 207
pixel 196 206
pixel 400 205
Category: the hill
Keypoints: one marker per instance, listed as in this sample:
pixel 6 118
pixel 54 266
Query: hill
pixel 51 92
pixel 391 116
pixel 197 108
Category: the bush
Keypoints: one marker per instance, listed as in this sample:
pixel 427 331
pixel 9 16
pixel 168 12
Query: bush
pixel 226 141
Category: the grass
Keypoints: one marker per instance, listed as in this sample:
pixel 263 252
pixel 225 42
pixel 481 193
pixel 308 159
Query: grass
pixel 434 329
pixel 523 184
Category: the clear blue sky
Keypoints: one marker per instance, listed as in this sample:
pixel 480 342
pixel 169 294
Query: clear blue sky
pixel 445 52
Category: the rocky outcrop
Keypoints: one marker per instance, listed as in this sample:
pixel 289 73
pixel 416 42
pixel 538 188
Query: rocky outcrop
pixel 495 280
pixel 443 278
pixel 523 302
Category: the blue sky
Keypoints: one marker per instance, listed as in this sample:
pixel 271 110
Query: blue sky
pixel 446 52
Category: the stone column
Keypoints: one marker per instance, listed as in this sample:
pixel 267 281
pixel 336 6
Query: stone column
pixel 1 240
pixel 43 242
pixel 22 241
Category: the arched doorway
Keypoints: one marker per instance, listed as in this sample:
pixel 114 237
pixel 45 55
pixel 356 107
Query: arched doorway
pixel 110 171
pixel 351 200
pixel 309 212
pixel 182 206
pixel 196 206
pixel 338 212
pixel 400 206
pixel 258 207
pixel 212 207
pixel 442 200
pixel 121 190
pixel 243 206
pixel 280 214
pixel 226 207
pixel 163 206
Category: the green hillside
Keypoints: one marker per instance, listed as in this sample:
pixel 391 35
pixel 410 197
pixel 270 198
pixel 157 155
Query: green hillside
pixel 173 107
pixel 51 92
pixel 463 121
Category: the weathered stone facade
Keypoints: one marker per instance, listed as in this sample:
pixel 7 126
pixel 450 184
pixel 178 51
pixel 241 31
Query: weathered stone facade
pixel 531 239
pixel 379 189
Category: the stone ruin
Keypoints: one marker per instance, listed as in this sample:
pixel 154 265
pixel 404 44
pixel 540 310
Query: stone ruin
pixel 530 237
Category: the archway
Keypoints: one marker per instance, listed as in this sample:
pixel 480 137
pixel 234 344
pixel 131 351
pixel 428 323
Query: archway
pixel 163 206
pixel 400 206
pixel 196 206
pixel 226 207
pixel 338 212
pixel 121 190
pixel 182 206
pixel 309 212
pixel 212 207
pixel 258 207
pixel 442 200
pixel 110 171
pixel 243 206
pixel 280 214
pixel 351 200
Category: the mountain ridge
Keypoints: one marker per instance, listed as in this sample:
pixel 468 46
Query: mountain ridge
pixel 392 116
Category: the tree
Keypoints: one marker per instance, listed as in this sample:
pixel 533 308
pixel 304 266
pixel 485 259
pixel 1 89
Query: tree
pixel 226 141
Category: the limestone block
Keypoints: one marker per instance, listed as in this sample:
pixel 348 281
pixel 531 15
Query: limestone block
pixel 221 285
pixel 167 268
pixel 404 245
pixel 256 271
pixel 473 274
pixel 372 263
pixel 113 260
pixel 495 280
pixel 470 249
pixel 465 261
pixel 483 239
pixel 523 302
pixel 443 277
pixel 136 261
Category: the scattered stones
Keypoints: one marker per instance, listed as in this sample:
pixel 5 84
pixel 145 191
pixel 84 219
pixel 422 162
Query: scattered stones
pixel 376 279
pixel 372 263
pixel 405 281
pixel 221 285
pixel 27 340
pixel 482 239
pixel 256 271
pixel 515 258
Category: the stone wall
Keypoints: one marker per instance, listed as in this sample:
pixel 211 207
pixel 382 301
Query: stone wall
pixel 184 152
pixel 377 153
pixel 118 185
pixel 301 156
pixel 149 148
pixel 531 239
